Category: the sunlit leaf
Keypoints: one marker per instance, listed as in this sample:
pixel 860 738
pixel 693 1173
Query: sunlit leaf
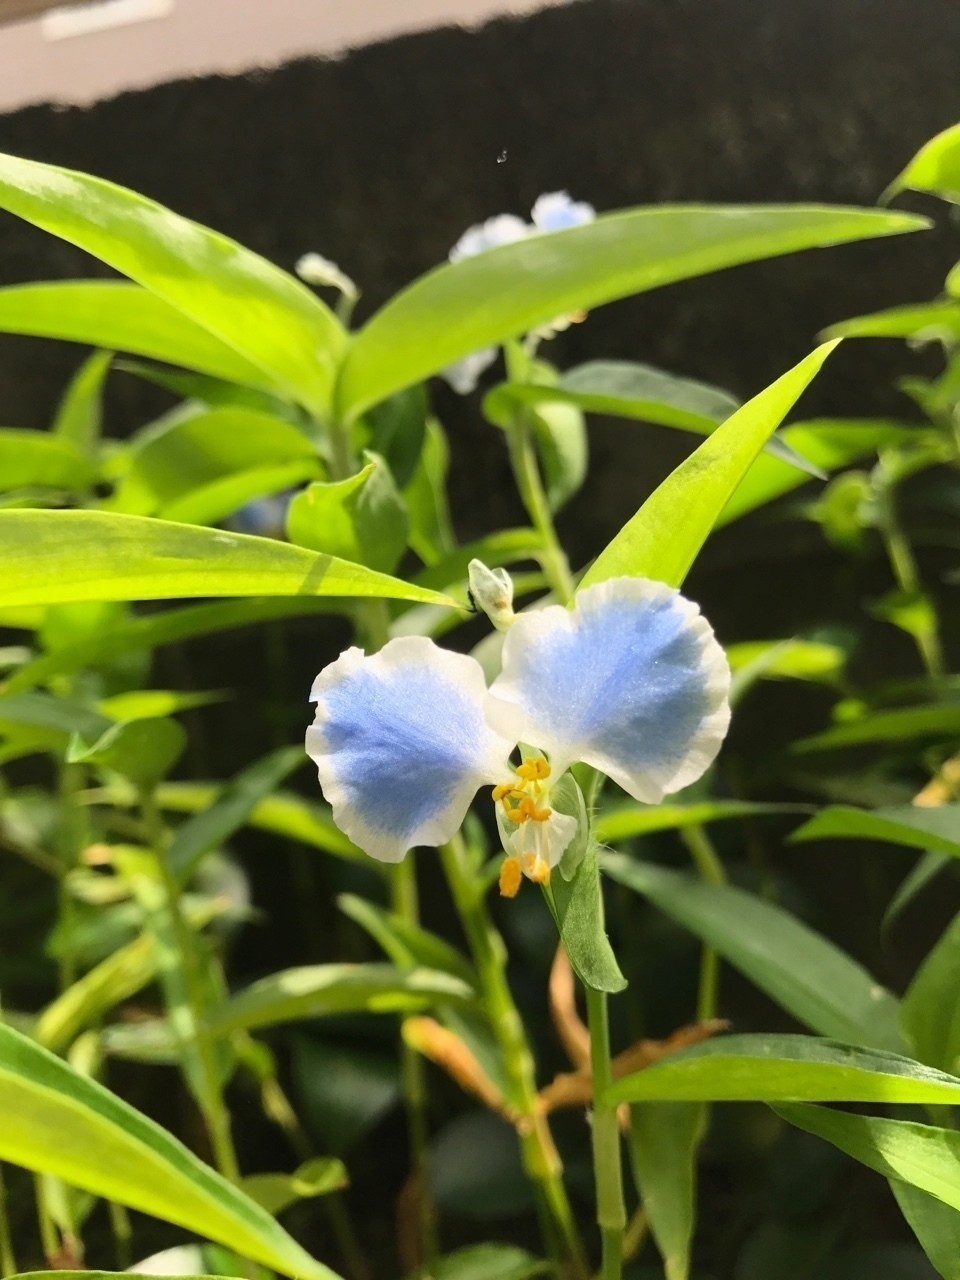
pixel 462 306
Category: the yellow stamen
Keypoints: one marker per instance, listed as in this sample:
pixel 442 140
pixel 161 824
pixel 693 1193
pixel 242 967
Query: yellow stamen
pixel 533 770
pixel 528 809
pixel 504 789
pixel 536 867
pixel 511 877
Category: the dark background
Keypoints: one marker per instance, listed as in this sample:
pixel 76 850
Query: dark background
pixel 381 159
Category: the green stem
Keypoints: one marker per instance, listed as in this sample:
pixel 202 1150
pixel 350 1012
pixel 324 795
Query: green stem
pixel 405 905
pixel 608 1173
pixel 49 1238
pixel 540 1157
pixel 215 1113
pixel 8 1261
pixel 711 870
pixel 122 1235
pixel 526 471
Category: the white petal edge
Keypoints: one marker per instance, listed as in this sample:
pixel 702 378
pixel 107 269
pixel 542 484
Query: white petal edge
pixel 492 764
pixel 509 713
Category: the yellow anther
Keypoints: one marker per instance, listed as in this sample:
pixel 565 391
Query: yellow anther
pixel 511 877
pixel 533 770
pixel 504 789
pixel 528 809
pixel 537 868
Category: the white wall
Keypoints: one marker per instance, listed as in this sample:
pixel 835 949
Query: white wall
pixel 199 37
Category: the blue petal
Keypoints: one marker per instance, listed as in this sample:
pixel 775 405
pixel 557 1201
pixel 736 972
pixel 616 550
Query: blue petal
pixel 631 681
pixel 555 211
pixel 401 744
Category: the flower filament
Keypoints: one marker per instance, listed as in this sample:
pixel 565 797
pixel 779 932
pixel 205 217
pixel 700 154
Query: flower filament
pixel 526 818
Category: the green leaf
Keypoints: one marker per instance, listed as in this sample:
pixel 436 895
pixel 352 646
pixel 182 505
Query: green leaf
pixel 154 630
pixel 362 518
pixel 43 711
pixel 828 443
pixel 484 1262
pixel 122 317
pixel 397 427
pixel 216 822
pixel 782 1068
pixel 182 454
pixel 217 393
pixel 405 943
pixel 915 826
pixel 804 973
pixel 663 1145
pixel 921 1155
pixel 930 1010
pixel 925 322
pixel 142 750
pixel 318 990
pixel 59 1122
pixel 113 980
pixel 38 458
pixel 918 878
pixel 277 1191
pixel 622 389
pixel 797 658
pixel 883 726
pixel 652 544
pixel 935 167
pixel 625 821
pixel 462 306
pixel 252 306
pixel 935 1225
pixel 79 414
pixel 290 816
pixel 108 1275
pixel 54 556
pixel 561 439
pixel 577 907
pixel 431 532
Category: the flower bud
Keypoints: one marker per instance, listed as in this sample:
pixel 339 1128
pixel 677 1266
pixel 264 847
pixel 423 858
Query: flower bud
pixel 492 592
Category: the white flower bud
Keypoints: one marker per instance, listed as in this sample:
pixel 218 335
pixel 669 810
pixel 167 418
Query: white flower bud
pixel 492 591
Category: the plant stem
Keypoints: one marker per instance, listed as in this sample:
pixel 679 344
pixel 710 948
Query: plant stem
pixel 403 886
pixel 711 870
pixel 215 1113
pixel 540 1156
pixel 49 1238
pixel 8 1261
pixel 526 471
pixel 608 1174
pixel 122 1235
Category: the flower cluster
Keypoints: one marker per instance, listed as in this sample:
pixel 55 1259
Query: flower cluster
pixel 631 680
pixel 554 211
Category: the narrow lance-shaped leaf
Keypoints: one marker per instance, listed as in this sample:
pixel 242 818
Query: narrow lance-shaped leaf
pixel 509 290
pixel 653 544
pixel 935 167
pixel 121 316
pixel 773 1068
pixel 59 1122
pixel 915 826
pixel 55 556
pixel 316 990
pixel 807 975
pixel 251 305
pixel 663 1147
pixel 922 1155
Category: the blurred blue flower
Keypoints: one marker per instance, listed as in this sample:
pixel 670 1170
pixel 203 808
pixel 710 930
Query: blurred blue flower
pixel 554 211
pixel 631 680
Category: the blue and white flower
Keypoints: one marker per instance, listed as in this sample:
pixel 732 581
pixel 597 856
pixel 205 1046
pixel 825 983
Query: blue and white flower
pixel 630 680
pixel 553 211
